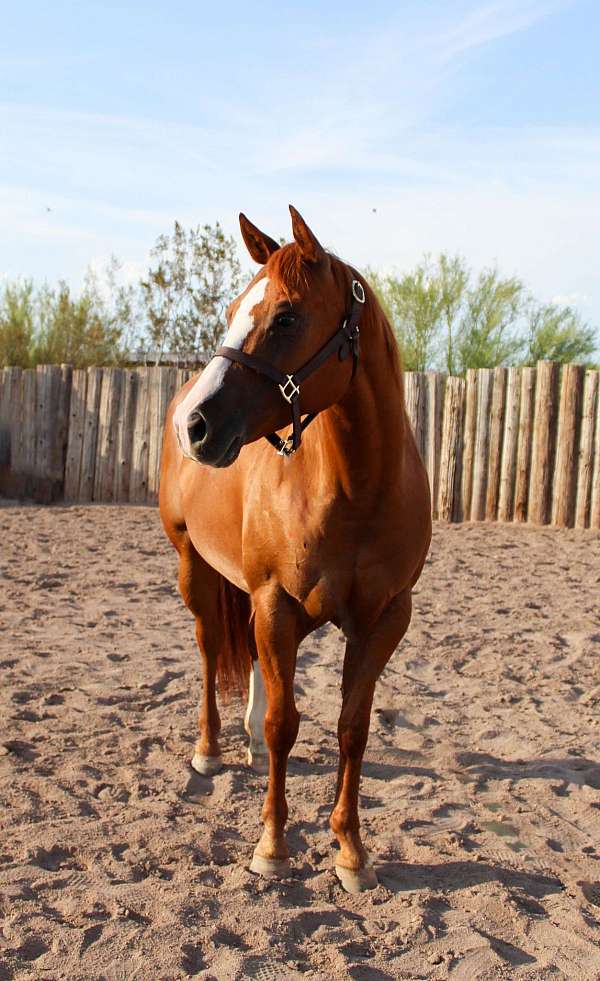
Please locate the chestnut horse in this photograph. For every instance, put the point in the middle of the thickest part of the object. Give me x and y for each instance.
(278, 536)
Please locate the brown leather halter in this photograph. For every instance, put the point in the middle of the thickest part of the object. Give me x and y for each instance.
(345, 341)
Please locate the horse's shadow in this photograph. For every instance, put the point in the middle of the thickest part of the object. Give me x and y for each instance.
(378, 771)
(401, 877)
(571, 769)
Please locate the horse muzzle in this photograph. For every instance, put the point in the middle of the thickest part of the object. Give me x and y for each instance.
(214, 445)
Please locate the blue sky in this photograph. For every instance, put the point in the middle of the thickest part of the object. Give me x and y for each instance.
(470, 127)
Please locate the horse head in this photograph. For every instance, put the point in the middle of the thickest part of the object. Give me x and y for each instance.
(280, 325)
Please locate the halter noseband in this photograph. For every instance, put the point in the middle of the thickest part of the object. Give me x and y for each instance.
(345, 341)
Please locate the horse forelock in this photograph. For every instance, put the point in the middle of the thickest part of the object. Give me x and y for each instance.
(288, 269)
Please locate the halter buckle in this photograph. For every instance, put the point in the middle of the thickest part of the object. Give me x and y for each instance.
(294, 390)
(287, 447)
(358, 291)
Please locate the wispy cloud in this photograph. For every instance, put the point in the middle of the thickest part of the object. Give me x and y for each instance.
(353, 136)
(488, 22)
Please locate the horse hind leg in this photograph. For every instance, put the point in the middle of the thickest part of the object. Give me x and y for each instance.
(205, 593)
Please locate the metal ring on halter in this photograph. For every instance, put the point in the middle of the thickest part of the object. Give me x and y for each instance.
(358, 291)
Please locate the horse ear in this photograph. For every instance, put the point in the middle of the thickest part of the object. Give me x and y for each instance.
(260, 246)
(311, 249)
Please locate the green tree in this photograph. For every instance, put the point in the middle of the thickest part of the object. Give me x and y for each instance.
(557, 334)
(17, 323)
(488, 334)
(413, 305)
(76, 330)
(453, 277)
(194, 276)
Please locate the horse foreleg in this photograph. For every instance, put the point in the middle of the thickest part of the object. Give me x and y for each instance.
(198, 584)
(254, 721)
(277, 638)
(364, 661)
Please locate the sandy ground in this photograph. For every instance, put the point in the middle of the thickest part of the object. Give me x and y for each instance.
(480, 796)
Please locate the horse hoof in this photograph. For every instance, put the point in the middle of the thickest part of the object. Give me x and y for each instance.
(356, 880)
(272, 868)
(259, 762)
(206, 765)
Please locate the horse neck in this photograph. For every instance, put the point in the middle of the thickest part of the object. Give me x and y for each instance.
(361, 435)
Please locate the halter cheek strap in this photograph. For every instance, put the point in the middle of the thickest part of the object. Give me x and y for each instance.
(344, 342)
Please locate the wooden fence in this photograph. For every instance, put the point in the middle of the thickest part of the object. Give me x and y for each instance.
(507, 444)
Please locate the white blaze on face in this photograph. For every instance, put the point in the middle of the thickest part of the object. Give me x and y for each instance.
(213, 375)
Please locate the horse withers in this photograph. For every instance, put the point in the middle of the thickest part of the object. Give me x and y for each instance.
(326, 519)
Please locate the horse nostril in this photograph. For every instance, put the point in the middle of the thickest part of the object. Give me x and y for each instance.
(196, 427)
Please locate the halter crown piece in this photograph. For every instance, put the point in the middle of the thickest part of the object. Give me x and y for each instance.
(345, 341)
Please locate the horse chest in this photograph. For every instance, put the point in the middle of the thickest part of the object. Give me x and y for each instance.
(301, 548)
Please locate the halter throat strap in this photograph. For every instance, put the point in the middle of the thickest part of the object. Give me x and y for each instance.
(344, 342)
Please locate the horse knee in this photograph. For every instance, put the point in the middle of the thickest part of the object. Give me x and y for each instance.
(281, 729)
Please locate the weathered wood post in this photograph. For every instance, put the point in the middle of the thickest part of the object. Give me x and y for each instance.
(11, 430)
(61, 403)
(495, 446)
(595, 495)
(451, 450)
(567, 446)
(508, 466)
(106, 443)
(482, 443)
(524, 443)
(125, 430)
(544, 442)
(163, 386)
(90, 435)
(76, 429)
(138, 485)
(586, 450)
(470, 427)
(415, 401)
(436, 382)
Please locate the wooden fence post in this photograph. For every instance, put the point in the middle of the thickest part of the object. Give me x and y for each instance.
(138, 484)
(508, 466)
(60, 381)
(76, 429)
(482, 443)
(470, 428)
(451, 450)
(106, 443)
(125, 432)
(586, 450)
(495, 446)
(525, 439)
(163, 390)
(436, 382)
(182, 376)
(544, 442)
(5, 428)
(90, 435)
(415, 401)
(43, 424)
(567, 446)
(28, 433)
(595, 496)
(11, 425)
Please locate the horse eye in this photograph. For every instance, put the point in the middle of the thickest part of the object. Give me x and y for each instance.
(285, 320)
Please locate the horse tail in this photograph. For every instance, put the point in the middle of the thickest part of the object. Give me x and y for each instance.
(235, 660)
